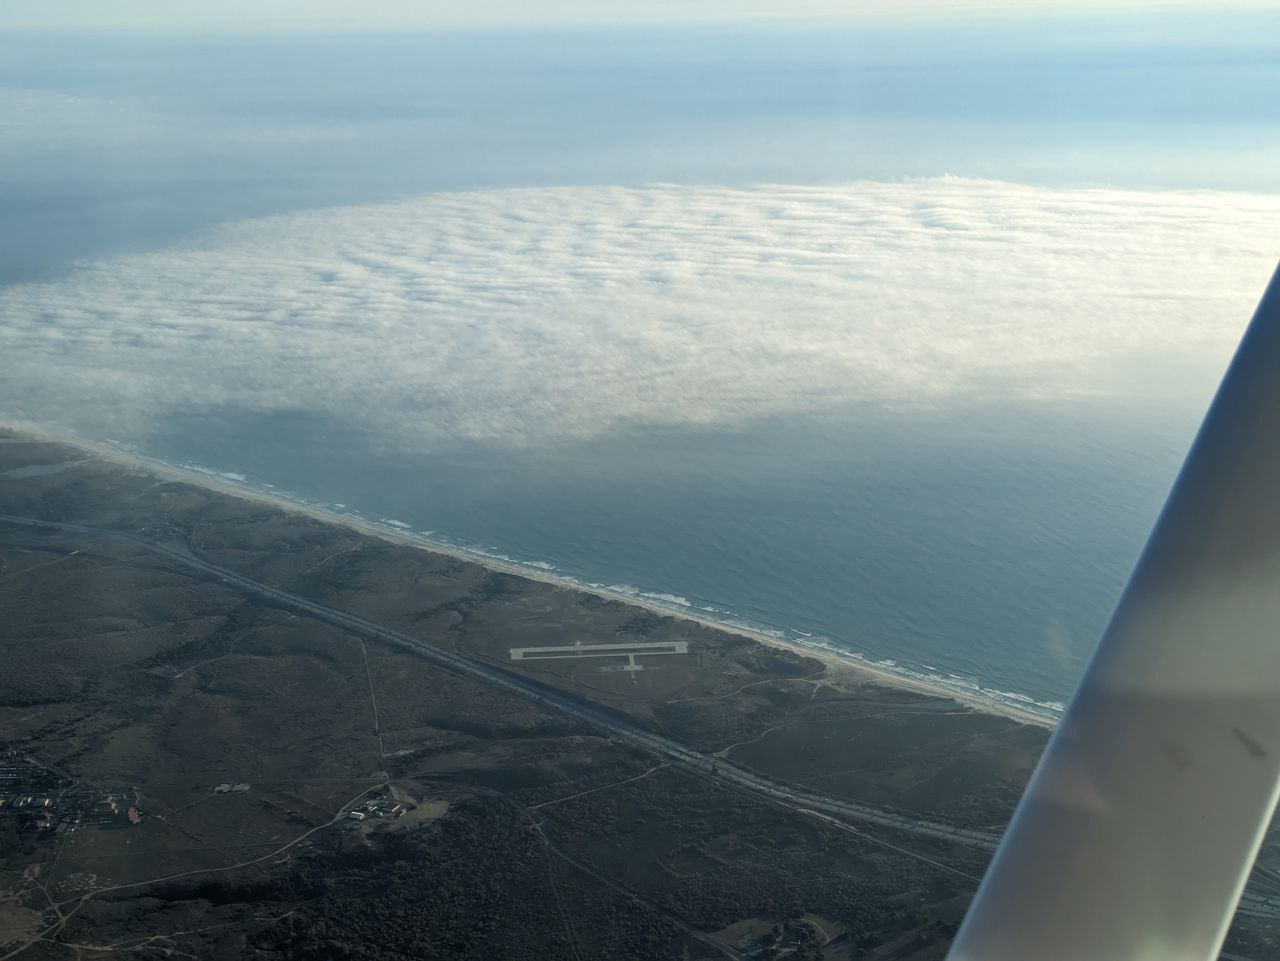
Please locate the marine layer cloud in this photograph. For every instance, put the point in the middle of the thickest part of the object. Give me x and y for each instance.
(524, 315)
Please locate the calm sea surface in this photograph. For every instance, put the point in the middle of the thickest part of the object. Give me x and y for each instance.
(986, 547)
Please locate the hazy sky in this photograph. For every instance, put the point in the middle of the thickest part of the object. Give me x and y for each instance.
(125, 139)
(539, 12)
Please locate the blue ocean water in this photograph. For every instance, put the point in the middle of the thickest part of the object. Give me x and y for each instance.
(985, 547)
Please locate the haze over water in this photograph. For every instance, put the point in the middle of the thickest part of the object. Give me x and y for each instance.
(988, 551)
(534, 291)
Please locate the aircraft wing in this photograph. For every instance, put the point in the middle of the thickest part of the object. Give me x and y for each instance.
(1137, 832)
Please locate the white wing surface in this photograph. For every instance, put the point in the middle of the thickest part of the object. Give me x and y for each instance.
(1137, 832)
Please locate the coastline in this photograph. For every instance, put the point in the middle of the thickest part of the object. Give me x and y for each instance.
(834, 659)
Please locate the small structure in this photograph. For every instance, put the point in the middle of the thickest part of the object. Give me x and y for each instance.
(630, 651)
(356, 815)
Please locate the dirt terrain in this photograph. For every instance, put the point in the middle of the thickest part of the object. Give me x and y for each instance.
(227, 778)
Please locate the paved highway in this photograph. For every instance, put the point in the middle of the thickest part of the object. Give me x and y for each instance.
(615, 726)
(674, 752)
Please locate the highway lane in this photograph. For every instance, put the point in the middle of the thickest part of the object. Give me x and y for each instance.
(615, 726)
(713, 768)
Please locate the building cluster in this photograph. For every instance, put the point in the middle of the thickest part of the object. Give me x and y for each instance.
(31, 795)
(378, 807)
(108, 808)
(42, 802)
(36, 812)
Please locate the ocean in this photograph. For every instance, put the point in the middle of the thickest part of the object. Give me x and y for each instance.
(983, 549)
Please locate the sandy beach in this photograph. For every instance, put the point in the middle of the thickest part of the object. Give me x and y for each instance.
(837, 663)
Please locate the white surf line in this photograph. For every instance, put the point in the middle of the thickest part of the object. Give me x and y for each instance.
(990, 701)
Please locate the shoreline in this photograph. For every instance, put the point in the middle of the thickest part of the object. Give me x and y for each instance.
(832, 658)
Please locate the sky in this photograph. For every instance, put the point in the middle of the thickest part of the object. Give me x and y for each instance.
(545, 13)
(124, 140)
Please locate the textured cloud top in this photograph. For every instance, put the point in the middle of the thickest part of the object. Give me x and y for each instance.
(520, 315)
